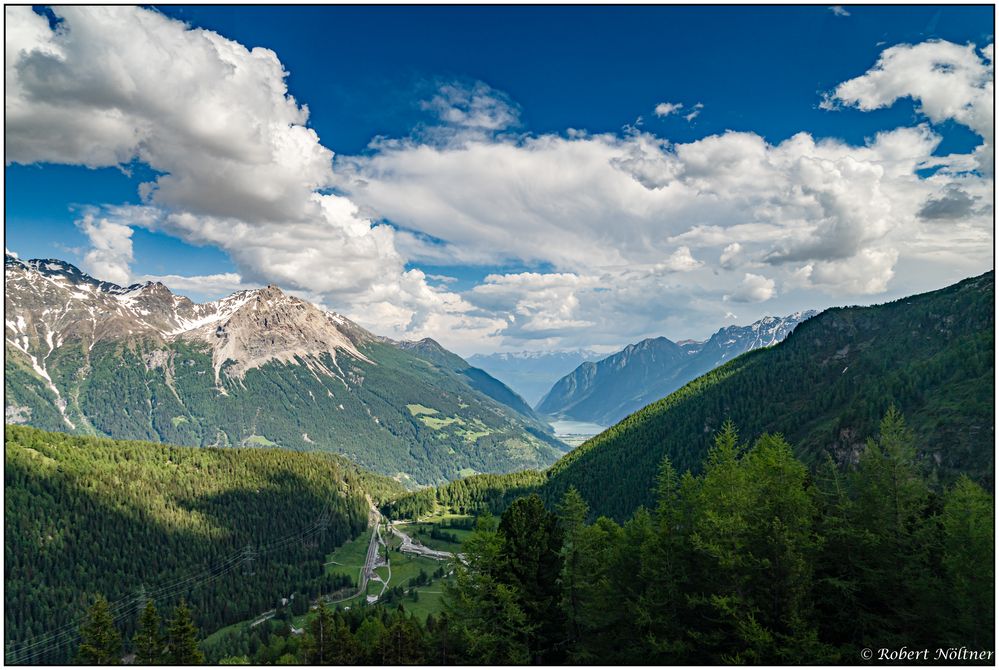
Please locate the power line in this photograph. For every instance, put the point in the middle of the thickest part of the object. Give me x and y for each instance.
(128, 605)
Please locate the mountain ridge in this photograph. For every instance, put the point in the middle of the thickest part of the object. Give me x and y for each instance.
(606, 391)
(825, 388)
(258, 367)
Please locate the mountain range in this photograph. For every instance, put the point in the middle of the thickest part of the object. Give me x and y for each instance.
(256, 368)
(825, 388)
(606, 391)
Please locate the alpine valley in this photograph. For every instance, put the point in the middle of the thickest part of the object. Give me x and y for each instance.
(532, 373)
(251, 478)
(257, 368)
(825, 388)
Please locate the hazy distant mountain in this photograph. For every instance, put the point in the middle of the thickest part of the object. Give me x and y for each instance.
(257, 368)
(608, 390)
(532, 373)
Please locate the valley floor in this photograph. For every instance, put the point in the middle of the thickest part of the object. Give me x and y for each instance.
(391, 563)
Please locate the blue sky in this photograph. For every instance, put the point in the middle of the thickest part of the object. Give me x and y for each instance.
(413, 75)
(361, 70)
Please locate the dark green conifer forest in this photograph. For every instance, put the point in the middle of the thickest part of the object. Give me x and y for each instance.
(752, 561)
(229, 530)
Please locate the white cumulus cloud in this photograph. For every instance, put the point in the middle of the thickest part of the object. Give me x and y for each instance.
(949, 82)
(754, 288)
(238, 166)
(110, 254)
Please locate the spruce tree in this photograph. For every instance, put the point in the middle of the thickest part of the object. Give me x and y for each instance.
(100, 642)
(531, 542)
(148, 640)
(182, 639)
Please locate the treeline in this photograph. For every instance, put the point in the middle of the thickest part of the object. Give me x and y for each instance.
(227, 530)
(120, 395)
(470, 495)
(174, 642)
(752, 561)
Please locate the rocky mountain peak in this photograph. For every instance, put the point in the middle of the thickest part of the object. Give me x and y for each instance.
(269, 325)
(271, 292)
(50, 302)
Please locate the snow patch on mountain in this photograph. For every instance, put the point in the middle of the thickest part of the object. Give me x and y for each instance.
(49, 302)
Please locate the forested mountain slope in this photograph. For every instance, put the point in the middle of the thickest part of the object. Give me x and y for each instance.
(258, 368)
(229, 530)
(824, 388)
(477, 378)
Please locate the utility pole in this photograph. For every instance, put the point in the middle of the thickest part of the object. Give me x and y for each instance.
(249, 556)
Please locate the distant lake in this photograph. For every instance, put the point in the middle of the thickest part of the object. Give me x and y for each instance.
(563, 427)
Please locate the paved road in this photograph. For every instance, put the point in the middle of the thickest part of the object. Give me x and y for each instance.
(410, 547)
(372, 560)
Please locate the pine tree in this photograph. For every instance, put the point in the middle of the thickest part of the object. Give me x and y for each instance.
(182, 639)
(148, 640)
(100, 642)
